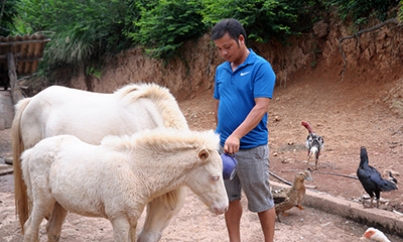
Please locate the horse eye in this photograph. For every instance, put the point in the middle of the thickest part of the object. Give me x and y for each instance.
(215, 178)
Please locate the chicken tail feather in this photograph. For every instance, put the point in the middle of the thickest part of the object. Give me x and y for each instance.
(387, 185)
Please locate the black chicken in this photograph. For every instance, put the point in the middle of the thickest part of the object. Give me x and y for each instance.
(371, 179)
(314, 143)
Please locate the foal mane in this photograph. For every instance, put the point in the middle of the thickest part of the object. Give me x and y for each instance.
(163, 139)
(163, 99)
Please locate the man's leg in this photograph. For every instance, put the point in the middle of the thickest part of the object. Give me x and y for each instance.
(233, 221)
(267, 220)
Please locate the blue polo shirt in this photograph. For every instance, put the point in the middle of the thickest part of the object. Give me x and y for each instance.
(237, 91)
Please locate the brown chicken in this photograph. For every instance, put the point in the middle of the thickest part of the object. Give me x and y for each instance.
(289, 197)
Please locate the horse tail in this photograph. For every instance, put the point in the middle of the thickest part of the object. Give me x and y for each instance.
(25, 168)
(20, 189)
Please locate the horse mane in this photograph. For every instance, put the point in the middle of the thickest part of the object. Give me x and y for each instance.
(163, 99)
(166, 140)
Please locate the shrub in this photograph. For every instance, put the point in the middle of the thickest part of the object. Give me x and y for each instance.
(80, 30)
(263, 19)
(360, 10)
(165, 25)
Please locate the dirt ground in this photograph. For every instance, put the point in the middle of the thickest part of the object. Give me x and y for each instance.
(347, 114)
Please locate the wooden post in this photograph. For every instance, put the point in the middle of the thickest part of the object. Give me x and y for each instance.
(16, 94)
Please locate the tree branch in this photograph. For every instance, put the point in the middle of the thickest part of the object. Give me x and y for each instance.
(281, 179)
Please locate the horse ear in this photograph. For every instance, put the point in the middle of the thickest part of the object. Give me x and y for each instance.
(203, 154)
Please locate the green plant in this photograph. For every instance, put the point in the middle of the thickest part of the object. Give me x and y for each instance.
(164, 26)
(80, 30)
(263, 19)
(93, 71)
(360, 10)
(8, 13)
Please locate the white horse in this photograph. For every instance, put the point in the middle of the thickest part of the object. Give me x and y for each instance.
(92, 116)
(115, 180)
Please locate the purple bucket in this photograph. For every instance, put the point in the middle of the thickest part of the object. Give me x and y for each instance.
(229, 166)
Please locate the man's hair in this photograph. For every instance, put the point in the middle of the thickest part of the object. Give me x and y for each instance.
(229, 25)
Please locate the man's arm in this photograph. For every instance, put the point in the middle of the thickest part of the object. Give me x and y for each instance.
(216, 111)
(232, 143)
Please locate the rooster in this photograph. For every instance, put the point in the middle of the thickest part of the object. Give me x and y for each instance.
(371, 179)
(314, 143)
(388, 174)
(375, 234)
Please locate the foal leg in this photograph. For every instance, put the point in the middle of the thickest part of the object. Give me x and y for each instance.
(159, 212)
(31, 226)
(122, 231)
(28, 236)
(54, 225)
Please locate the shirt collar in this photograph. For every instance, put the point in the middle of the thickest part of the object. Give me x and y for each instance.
(249, 60)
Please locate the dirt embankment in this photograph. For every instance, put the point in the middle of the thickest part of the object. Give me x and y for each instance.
(377, 55)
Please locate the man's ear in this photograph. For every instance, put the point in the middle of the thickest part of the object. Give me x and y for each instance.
(241, 39)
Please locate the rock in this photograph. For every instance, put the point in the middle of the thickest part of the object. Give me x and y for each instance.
(321, 28)
(8, 160)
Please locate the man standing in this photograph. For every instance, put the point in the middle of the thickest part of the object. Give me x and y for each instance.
(244, 85)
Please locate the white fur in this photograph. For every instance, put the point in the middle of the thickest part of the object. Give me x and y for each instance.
(313, 151)
(91, 116)
(116, 179)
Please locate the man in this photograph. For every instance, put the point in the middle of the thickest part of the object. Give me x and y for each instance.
(244, 85)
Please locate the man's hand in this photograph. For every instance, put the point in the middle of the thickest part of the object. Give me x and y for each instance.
(231, 145)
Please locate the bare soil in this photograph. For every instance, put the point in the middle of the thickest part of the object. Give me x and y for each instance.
(348, 114)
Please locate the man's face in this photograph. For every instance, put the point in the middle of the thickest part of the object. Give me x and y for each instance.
(229, 48)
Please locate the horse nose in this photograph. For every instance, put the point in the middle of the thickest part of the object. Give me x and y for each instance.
(220, 210)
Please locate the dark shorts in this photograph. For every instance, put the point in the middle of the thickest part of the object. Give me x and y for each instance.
(253, 178)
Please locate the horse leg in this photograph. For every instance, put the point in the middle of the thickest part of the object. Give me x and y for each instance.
(28, 236)
(132, 233)
(122, 230)
(31, 226)
(54, 225)
(159, 212)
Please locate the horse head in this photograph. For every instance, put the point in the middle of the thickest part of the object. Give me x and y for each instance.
(207, 181)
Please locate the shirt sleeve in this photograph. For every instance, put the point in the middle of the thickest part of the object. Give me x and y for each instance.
(264, 82)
